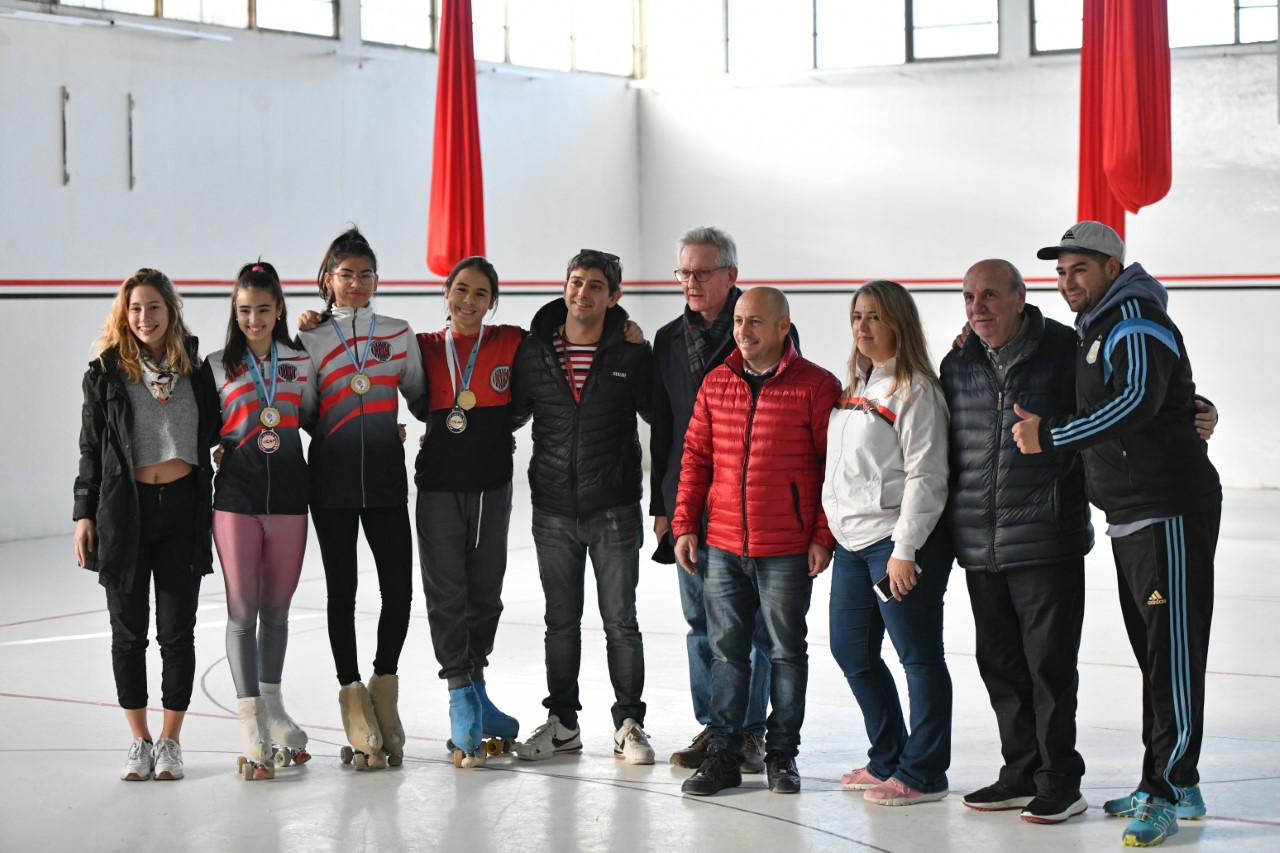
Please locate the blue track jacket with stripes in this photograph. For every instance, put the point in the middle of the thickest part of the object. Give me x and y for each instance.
(1135, 403)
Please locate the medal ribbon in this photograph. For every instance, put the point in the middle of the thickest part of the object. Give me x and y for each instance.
(266, 397)
(451, 356)
(368, 342)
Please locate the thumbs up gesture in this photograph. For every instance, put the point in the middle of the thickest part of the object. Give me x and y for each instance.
(1026, 432)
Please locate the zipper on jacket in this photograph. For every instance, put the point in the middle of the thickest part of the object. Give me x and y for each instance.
(364, 498)
(995, 472)
(746, 459)
(795, 502)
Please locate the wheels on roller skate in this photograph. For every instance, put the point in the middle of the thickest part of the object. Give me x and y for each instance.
(498, 745)
(347, 754)
(250, 771)
(282, 757)
(468, 760)
(394, 759)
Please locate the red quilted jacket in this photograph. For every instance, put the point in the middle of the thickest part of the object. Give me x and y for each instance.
(757, 469)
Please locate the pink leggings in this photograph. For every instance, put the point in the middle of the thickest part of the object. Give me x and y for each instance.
(261, 561)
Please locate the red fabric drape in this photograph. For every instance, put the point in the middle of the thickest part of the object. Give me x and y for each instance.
(1126, 152)
(1095, 200)
(456, 226)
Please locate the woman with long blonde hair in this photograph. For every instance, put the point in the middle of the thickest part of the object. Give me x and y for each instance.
(885, 489)
(143, 502)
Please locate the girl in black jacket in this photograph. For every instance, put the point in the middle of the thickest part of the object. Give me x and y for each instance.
(143, 502)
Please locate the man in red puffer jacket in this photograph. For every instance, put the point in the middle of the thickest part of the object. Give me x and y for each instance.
(753, 458)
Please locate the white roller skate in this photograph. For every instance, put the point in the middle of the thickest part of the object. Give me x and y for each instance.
(289, 742)
(254, 740)
(361, 726)
(465, 716)
(384, 690)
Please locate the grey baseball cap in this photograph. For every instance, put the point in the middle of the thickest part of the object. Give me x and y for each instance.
(1090, 235)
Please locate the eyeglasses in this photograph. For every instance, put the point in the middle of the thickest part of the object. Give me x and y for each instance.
(347, 276)
(700, 276)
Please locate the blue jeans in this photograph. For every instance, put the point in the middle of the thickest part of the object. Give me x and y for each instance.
(737, 589)
(699, 647)
(858, 622)
(612, 538)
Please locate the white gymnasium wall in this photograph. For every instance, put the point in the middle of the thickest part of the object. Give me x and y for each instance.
(270, 144)
(265, 146)
(916, 172)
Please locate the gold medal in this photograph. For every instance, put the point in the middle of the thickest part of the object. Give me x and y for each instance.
(456, 421)
(268, 441)
(466, 399)
(360, 384)
(269, 417)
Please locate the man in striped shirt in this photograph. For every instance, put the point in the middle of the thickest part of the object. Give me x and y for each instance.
(583, 384)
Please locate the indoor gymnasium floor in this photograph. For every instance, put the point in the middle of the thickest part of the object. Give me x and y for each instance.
(66, 739)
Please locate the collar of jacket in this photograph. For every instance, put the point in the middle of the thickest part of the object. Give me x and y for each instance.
(347, 312)
(552, 316)
(737, 363)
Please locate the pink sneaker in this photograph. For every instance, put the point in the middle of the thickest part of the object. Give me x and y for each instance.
(894, 792)
(859, 780)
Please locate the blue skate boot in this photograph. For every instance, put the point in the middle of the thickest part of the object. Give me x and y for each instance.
(465, 716)
(500, 730)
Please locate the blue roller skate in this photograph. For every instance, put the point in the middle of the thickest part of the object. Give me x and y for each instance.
(500, 730)
(465, 723)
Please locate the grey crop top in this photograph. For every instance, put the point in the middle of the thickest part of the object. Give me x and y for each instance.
(163, 431)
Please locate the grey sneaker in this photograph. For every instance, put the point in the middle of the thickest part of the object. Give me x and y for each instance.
(140, 763)
(753, 752)
(168, 765)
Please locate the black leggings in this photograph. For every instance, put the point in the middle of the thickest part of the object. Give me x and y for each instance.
(386, 529)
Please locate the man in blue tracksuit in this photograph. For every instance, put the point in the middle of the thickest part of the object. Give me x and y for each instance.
(1147, 469)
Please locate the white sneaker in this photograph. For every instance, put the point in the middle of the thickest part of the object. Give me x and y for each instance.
(168, 760)
(550, 739)
(631, 744)
(140, 763)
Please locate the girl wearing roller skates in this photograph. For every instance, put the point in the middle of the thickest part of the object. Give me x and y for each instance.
(267, 391)
(143, 503)
(464, 502)
(362, 359)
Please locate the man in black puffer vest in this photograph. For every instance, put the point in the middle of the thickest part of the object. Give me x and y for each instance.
(583, 385)
(1020, 526)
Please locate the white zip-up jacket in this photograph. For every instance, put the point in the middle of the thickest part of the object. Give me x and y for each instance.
(886, 463)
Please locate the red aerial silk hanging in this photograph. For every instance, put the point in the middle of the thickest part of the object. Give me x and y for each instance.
(456, 225)
(1126, 152)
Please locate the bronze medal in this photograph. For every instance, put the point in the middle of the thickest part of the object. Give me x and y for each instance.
(456, 421)
(269, 417)
(360, 383)
(466, 399)
(268, 441)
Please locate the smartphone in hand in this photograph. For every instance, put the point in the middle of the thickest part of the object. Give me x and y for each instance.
(882, 587)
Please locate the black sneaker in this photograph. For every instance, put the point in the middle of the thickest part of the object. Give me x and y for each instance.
(753, 752)
(1054, 809)
(999, 797)
(720, 770)
(781, 767)
(692, 755)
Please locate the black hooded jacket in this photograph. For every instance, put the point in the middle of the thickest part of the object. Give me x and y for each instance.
(105, 490)
(586, 456)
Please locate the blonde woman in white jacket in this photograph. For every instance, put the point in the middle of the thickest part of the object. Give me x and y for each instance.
(885, 489)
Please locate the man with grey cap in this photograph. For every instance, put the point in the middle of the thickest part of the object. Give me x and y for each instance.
(1149, 472)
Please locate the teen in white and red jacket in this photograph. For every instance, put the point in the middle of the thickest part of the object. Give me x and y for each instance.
(363, 361)
(885, 490)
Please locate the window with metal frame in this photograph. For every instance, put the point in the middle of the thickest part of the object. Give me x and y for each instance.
(312, 17)
(409, 23)
(1057, 23)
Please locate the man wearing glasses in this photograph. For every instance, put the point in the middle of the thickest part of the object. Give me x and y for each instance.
(684, 352)
(583, 384)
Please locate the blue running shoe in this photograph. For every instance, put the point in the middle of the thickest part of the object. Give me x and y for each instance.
(1154, 820)
(495, 723)
(1190, 807)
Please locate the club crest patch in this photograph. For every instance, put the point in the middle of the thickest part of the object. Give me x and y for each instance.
(381, 350)
(286, 372)
(500, 378)
(1092, 355)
